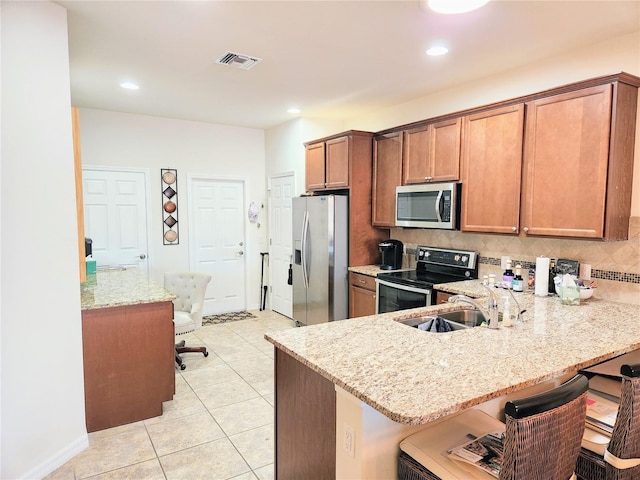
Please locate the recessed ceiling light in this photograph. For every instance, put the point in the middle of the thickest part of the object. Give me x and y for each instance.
(435, 51)
(455, 6)
(130, 86)
(293, 110)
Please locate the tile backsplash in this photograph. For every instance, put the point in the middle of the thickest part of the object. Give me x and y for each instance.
(614, 265)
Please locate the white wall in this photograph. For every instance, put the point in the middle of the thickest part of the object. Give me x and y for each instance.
(42, 419)
(617, 54)
(128, 140)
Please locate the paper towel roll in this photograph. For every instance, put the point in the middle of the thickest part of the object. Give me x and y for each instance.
(542, 276)
(585, 271)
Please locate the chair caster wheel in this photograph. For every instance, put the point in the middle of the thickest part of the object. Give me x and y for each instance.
(206, 354)
(183, 366)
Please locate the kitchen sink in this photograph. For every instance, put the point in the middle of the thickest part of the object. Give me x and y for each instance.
(417, 321)
(457, 319)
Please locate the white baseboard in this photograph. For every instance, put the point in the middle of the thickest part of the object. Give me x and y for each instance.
(59, 459)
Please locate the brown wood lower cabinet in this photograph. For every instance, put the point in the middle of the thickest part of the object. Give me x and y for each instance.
(128, 363)
(305, 422)
(442, 297)
(362, 295)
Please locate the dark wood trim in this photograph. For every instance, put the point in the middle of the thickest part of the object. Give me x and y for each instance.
(621, 158)
(348, 133)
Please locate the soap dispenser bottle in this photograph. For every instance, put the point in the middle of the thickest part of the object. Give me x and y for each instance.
(518, 281)
(507, 276)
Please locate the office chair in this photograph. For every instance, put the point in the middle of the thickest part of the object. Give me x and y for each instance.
(625, 438)
(542, 439)
(189, 289)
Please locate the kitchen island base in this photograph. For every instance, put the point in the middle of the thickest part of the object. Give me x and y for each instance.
(128, 363)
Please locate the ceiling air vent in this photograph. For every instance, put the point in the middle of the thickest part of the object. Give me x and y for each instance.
(244, 62)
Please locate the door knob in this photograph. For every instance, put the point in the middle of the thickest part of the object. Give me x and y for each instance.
(241, 243)
(142, 256)
(240, 252)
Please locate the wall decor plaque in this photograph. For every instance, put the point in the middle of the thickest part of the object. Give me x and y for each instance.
(169, 189)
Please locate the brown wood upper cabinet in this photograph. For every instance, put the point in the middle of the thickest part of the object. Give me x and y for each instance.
(574, 177)
(387, 175)
(343, 163)
(327, 164)
(432, 152)
(577, 174)
(491, 169)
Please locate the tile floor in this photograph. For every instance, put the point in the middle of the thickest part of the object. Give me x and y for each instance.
(219, 424)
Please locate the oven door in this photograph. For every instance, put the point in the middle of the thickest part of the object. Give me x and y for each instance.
(393, 297)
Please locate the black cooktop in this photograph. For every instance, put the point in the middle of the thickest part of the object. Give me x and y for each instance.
(425, 279)
(436, 265)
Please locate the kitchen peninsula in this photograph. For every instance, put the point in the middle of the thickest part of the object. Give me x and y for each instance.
(128, 348)
(373, 381)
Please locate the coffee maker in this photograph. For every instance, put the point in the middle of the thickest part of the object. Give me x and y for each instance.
(390, 254)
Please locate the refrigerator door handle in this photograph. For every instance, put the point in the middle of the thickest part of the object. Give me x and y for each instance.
(305, 228)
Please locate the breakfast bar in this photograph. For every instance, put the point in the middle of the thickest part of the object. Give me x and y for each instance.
(128, 348)
(390, 379)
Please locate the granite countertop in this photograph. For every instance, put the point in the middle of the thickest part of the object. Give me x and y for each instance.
(374, 270)
(414, 377)
(114, 288)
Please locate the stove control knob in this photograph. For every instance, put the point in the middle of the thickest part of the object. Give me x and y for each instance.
(457, 258)
(464, 259)
(427, 254)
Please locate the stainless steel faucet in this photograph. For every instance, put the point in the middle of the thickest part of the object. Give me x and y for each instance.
(490, 315)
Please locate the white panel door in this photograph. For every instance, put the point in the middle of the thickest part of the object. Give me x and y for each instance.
(280, 250)
(115, 217)
(218, 243)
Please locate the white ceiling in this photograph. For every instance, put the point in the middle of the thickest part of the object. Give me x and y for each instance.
(332, 59)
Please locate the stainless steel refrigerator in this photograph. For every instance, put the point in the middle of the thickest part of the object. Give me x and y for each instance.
(320, 259)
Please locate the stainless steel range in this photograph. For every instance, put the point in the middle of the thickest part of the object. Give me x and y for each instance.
(413, 288)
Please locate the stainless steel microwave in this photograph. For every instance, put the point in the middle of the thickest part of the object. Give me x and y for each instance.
(430, 205)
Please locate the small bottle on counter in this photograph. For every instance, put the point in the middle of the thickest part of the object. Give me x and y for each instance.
(532, 278)
(507, 276)
(485, 280)
(492, 279)
(552, 275)
(518, 281)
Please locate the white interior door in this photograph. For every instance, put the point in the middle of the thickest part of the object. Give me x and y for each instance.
(115, 216)
(280, 249)
(216, 226)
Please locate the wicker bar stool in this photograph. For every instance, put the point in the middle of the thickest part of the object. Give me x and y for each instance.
(625, 438)
(542, 439)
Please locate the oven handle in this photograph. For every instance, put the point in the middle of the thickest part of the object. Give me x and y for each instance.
(406, 288)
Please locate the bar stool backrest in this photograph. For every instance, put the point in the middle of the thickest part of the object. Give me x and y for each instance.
(544, 433)
(625, 439)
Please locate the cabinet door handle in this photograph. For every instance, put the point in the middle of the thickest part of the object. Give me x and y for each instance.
(526, 229)
(513, 229)
(362, 281)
